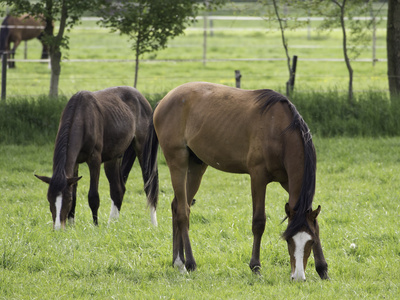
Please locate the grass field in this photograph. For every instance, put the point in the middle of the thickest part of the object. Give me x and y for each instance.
(357, 178)
(231, 39)
(131, 259)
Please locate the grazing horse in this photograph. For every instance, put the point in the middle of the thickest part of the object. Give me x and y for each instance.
(17, 29)
(258, 132)
(108, 126)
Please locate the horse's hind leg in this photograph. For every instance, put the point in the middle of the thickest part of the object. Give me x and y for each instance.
(117, 186)
(195, 173)
(14, 49)
(178, 163)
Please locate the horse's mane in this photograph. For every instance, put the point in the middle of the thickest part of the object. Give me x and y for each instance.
(58, 181)
(4, 34)
(267, 98)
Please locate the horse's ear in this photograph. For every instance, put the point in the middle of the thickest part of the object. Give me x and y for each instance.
(44, 178)
(289, 211)
(73, 180)
(314, 214)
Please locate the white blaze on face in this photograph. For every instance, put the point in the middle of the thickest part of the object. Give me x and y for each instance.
(300, 240)
(114, 213)
(57, 222)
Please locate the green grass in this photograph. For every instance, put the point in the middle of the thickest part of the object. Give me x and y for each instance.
(132, 259)
(231, 40)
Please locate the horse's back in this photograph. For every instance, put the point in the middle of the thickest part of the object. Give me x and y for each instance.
(225, 127)
(33, 25)
(106, 120)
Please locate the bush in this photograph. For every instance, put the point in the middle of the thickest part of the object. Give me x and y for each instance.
(30, 120)
(331, 114)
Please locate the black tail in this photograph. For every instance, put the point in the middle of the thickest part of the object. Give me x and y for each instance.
(4, 32)
(150, 167)
(304, 203)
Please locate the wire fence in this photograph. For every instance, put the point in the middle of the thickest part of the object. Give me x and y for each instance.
(205, 59)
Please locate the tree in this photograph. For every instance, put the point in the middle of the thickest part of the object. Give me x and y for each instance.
(393, 48)
(342, 9)
(66, 13)
(150, 23)
(342, 13)
(285, 46)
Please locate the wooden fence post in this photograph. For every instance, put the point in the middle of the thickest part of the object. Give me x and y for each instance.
(290, 83)
(237, 78)
(3, 75)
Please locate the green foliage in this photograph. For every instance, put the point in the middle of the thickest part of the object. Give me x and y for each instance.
(150, 23)
(35, 120)
(331, 114)
(29, 120)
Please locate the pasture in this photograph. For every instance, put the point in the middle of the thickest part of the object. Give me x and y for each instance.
(98, 59)
(357, 178)
(356, 187)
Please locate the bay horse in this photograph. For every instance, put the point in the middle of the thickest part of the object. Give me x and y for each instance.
(108, 126)
(258, 132)
(23, 28)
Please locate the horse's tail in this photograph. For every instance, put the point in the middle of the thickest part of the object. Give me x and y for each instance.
(150, 168)
(304, 203)
(4, 32)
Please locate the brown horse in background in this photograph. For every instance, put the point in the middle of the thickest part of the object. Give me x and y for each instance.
(108, 126)
(17, 29)
(258, 132)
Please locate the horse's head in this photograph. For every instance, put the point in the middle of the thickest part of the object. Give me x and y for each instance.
(301, 243)
(59, 196)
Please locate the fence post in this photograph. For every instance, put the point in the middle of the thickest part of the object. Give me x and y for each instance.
(205, 39)
(237, 78)
(26, 50)
(290, 83)
(3, 75)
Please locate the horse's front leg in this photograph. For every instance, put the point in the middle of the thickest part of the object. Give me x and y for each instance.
(320, 263)
(258, 225)
(71, 214)
(93, 197)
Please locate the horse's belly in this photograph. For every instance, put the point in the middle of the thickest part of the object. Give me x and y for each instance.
(221, 157)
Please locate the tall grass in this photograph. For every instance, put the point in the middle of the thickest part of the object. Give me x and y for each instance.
(331, 114)
(35, 120)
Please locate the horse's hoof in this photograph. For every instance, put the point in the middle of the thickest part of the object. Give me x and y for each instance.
(256, 269)
(191, 266)
(323, 272)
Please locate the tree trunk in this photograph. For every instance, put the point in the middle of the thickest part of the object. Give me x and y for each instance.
(393, 48)
(55, 61)
(346, 56)
(136, 63)
(285, 46)
(55, 50)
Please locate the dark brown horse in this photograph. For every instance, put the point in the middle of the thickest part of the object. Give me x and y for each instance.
(109, 126)
(258, 132)
(17, 29)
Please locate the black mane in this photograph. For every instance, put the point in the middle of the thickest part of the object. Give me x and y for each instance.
(59, 178)
(267, 98)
